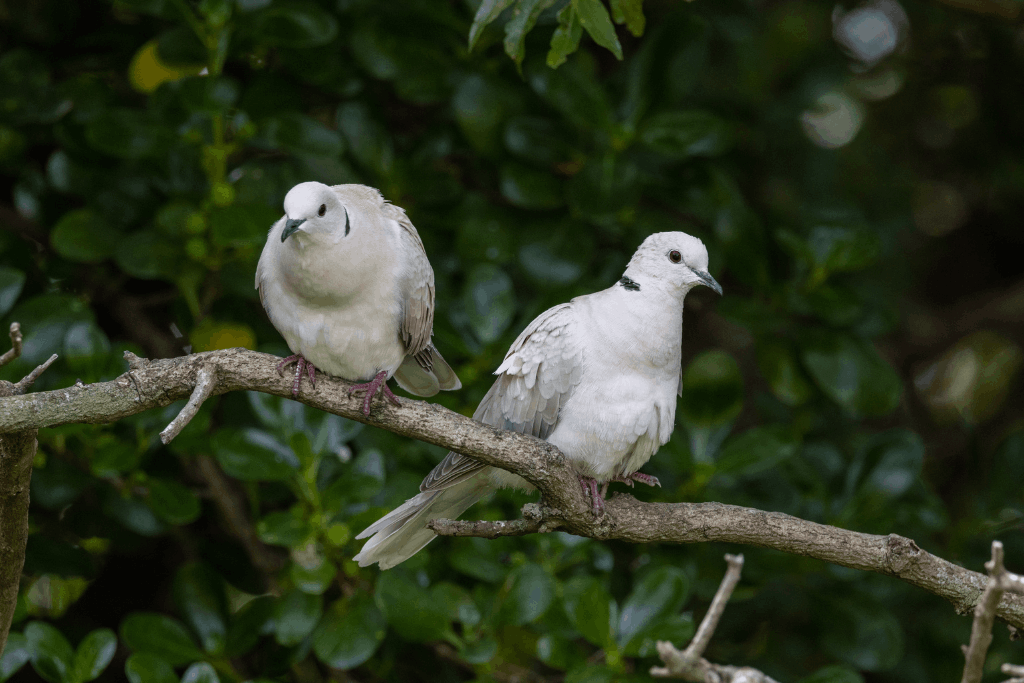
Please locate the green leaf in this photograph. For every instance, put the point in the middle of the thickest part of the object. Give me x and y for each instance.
(594, 18)
(252, 455)
(11, 283)
(200, 672)
(676, 628)
(837, 249)
(523, 19)
(239, 225)
(296, 616)
(590, 609)
(779, 365)
(661, 593)
(893, 462)
(15, 655)
(410, 610)
(93, 655)
(530, 593)
(296, 24)
(851, 373)
(485, 14)
(490, 302)
(81, 235)
(480, 652)
(368, 139)
(172, 501)
(148, 255)
(50, 652)
(350, 633)
(834, 674)
(287, 528)
(85, 345)
(301, 135)
(254, 619)
(756, 450)
(161, 636)
(146, 667)
(200, 597)
(682, 134)
(566, 38)
(867, 638)
(313, 577)
(630, 13)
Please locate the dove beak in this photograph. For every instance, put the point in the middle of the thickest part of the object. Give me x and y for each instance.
(706, 279)
(291, 225)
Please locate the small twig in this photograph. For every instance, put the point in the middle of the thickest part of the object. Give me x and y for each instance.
(15, 349)
(29, 379)
(536, 520)
(690, 664)
(984, 616)
(1015, 670)
(205, 383)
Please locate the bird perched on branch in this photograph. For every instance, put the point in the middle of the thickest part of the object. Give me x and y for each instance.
(597, 377)
(346, 281)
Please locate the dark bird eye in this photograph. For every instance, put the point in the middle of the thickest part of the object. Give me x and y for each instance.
(673, 256)
(322, 211)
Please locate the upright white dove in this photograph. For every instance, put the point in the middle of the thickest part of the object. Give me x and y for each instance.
(346, 281)
(597, 377)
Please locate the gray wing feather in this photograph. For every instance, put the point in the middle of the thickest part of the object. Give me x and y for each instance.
(539, 373)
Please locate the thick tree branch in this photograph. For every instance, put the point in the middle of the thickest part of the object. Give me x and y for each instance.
(153, 384)
(689, 664)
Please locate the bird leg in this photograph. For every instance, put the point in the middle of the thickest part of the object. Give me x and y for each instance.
(589, 486)
(378, 383)
(640, 477)
(300, 365)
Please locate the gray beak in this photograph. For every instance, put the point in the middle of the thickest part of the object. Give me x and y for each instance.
(706, 279)
(292, 224)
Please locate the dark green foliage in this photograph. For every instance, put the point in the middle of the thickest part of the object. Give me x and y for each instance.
(840, 379)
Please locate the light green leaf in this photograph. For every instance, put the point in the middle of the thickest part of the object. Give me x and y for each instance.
(661, 593)
(523, 19)
(488, 11)
(531, 591)
(11, 283)
(146, 667)
(287, 528)
(834, 674)
(590, 609)
(594, 18)
(200, 597)
(172, 501)
(200, 672)
(851, 373)
(756, 450)
(489, 299)
(15, 655)
(683, 134)
(93, 655)
(412, 611)
(50, 652)
(630, 13)
(566, 38)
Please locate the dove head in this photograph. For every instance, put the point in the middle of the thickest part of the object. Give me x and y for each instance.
(673, 259)
(315, 209)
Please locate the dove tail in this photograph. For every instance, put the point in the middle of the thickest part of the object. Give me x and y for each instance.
(401, 533)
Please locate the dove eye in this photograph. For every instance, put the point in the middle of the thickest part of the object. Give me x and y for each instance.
(674, 256)
(322, 211)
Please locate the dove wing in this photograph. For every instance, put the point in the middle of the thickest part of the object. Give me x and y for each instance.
(538, 375)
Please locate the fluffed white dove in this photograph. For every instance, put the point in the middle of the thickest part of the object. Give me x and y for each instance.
(597, 377)
(346, 281)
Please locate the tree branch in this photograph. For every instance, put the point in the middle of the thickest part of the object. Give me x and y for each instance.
(999, 582)
(153, 384)
(690, 664)
(17, 450)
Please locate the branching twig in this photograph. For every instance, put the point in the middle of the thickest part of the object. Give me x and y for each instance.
(1015, 670)
(205, 382)
(536, 520)
(159, 383)
(15, 349)
(28, 380)
(690, 664)
(999, 582)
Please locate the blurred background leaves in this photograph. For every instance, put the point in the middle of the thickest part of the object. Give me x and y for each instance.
(856, 173)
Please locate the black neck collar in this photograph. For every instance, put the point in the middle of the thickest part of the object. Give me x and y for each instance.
(630, 284)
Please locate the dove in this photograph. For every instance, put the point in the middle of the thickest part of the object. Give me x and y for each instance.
(597, 377)
(345, 279)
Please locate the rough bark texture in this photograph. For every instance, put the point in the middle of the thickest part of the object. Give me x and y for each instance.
(16, 453)
(153, 384)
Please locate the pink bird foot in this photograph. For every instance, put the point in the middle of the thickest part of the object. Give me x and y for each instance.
(378, 383)
(300, 365)
(596, 497)
(640, 477)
